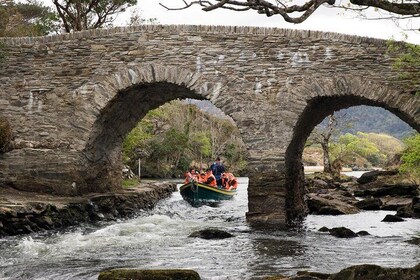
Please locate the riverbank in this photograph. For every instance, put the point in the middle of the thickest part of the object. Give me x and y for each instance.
(27, 212)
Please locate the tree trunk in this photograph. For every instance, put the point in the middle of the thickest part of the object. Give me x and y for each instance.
(327, 163)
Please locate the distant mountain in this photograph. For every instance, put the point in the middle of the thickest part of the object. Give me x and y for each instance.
(374, 119)
(362, 118)
(208, 107)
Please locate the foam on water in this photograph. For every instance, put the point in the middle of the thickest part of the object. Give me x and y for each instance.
(159, 239)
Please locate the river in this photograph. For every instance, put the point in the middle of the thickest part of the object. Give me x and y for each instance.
(159, 239)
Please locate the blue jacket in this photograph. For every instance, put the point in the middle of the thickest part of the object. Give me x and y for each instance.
(217, 169)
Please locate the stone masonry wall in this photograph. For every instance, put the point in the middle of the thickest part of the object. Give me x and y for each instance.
(72, 98)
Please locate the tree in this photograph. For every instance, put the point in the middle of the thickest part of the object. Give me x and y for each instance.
(136, 18)
(77, 15)
(200, 145)
(18, 19)
(178, 135)
(407, 63)
(411, 157)
(360, 144)
(296, 12)
(322, 136)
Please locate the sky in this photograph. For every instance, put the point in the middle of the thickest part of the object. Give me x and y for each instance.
(324, 19)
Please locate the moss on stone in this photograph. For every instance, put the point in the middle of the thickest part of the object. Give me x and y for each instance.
(156, 274)
(5, 134)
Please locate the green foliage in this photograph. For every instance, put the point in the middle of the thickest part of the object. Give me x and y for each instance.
(387, 144)
(411, 156)
(358, 144)
(200, 143)
(366, 118)
(129, 183)
(77, 15)
(137, 139)
(19, 19)
(407, 62)
(176, 136)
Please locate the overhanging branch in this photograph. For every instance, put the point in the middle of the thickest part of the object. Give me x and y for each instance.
(287, 8)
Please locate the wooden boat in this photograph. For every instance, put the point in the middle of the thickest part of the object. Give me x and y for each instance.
(198, 193)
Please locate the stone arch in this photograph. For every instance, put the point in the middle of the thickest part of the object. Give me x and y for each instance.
(119, 101)
(323, 97)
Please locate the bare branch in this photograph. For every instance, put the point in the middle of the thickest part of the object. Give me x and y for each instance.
(392, 7)
(283, 8)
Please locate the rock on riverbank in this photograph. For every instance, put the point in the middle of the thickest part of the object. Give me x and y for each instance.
(358, 272)
(24, 213)
(380, 190)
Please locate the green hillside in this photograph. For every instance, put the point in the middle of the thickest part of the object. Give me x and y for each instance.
(374, 119)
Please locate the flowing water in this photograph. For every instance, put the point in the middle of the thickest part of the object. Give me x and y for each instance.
(159, 239)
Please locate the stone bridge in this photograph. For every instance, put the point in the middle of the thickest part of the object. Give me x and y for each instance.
(71, 99)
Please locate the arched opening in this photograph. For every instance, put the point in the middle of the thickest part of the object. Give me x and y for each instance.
(180, 135)
(117, 116)
(317, 110)
(116, 120)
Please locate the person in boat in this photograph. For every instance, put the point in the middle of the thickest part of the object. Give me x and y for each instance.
(211, 179)
(202, 178)
(229, 181)
(191, 176)
(218, 169)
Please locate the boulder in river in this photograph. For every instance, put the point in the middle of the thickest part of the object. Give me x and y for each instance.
(359, 272)
(328, 205)
(373, 175)
(415, 241)
(144, 274)
(394, 203)
(375, 272)
(370, 203)
(342, 232)
(324, 229)
(211, 233)
(379, 189)
(392, 219)
(410, 211)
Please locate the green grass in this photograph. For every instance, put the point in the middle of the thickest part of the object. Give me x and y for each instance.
(129, 183)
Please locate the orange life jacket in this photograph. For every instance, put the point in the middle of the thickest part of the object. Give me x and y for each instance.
(230, 181)
(190, 177)
(211, 180)
(202, 179)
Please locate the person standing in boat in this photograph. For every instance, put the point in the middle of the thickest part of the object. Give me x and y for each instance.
(218, 169)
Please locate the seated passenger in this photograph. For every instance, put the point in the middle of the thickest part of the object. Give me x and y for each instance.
(225, 179)
(202, 178)
(229, 181)
(190, 176)
(211, 180)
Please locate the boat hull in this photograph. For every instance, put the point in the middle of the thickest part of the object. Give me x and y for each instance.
(197, 193)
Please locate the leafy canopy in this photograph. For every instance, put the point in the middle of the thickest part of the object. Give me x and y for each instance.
(411, 156)
(177, 136)
(407, 63)
(77, 15)
(31, 18)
